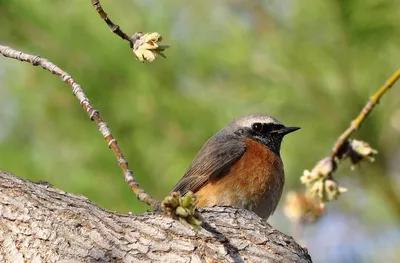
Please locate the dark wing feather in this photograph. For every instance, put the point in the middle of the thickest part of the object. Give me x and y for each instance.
(213, 160)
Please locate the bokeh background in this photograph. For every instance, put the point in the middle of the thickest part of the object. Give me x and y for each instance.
(309, 63)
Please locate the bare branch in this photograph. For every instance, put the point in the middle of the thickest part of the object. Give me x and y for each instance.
(114, 28)
(78, 91)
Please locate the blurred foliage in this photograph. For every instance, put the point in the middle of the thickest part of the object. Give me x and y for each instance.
(309, 63)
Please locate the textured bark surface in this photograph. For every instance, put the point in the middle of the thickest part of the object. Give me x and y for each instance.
(42, 224)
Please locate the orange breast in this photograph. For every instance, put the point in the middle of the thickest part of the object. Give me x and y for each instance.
(254, 182)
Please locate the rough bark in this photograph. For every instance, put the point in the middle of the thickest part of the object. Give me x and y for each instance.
(42, 224)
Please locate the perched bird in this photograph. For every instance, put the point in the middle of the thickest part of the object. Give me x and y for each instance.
(240, 166)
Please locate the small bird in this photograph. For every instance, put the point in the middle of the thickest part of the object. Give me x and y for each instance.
(240, 166)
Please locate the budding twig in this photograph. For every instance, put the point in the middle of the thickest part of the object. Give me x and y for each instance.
(356, 123)
(320, 180)
(144, 45)
(114, 28)
(78, 91)
(307, 207)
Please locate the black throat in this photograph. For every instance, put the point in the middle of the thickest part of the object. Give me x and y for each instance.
(274, 144)
(271, 141)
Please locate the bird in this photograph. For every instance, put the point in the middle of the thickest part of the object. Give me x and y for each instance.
(240, 166)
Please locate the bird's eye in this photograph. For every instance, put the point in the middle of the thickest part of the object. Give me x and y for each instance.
(257, 127)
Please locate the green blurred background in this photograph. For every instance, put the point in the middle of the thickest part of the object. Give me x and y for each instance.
(309, 63)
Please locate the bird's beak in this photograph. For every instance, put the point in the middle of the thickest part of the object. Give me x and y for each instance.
(286, 130)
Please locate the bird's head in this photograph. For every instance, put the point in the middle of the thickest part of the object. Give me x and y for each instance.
(259, 127)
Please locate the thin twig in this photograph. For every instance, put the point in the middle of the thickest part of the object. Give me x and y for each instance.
(321, 185)
(319, 180)
(114, 28)
(145, 46)
(356, 123)
(78, 91)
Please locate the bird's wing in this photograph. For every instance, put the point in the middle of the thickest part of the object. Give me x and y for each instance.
(212, 162)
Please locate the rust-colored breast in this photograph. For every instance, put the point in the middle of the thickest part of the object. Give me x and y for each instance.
(254, 182)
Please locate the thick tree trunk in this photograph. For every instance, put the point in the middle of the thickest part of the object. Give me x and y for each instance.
(42, 224)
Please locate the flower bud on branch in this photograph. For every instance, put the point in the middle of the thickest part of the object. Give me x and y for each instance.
(145, 46)
(182, 208)
(319, 180)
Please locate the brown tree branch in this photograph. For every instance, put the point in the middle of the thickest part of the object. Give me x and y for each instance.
(42, 224)
(144, 46)
(114, 28)
(78, 91)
